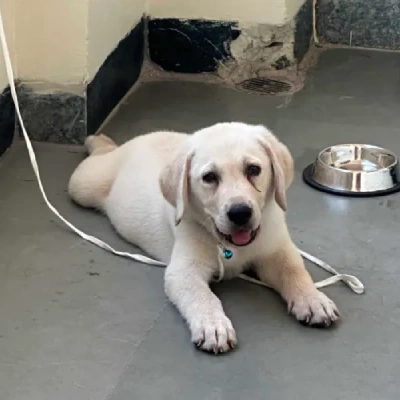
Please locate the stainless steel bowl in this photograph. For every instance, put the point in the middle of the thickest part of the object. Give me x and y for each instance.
(354, 170)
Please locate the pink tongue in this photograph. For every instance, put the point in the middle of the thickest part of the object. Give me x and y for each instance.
(241, 237)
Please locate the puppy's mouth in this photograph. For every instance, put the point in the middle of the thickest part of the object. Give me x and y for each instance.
(240, 237)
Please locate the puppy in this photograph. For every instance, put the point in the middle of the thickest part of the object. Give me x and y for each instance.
(181, 197)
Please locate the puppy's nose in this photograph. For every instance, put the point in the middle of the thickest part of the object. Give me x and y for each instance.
(240, 214)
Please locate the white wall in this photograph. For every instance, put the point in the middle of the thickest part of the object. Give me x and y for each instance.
(274, 12)
(8, 12)
(109, 22)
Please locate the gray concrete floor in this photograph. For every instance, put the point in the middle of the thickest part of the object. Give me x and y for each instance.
(78, 323)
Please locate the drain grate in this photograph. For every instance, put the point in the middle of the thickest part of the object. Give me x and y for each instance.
(265, 86)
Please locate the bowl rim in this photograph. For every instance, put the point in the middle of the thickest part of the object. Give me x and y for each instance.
(309, 180)
(388, 168)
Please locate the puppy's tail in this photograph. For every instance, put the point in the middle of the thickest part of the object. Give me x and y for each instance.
(99, 144)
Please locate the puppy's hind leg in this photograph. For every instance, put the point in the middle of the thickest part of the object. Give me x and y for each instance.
(92, 180)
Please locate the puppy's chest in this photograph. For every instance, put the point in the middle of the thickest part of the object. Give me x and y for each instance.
(234, 265)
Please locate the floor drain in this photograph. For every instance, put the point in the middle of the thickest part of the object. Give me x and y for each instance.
(265, 86)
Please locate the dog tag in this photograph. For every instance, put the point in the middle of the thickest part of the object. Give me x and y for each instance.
(227, 253)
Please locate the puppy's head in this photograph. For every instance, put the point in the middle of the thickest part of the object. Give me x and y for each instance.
(226, 174)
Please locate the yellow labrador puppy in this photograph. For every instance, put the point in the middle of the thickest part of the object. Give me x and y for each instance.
(180, 197)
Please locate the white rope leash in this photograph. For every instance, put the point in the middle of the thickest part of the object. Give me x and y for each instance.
(349, 280)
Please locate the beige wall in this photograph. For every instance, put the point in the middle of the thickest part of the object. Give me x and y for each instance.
(51, 40)
(109, 22)
(66, 41)
(292, 6)
(274, 12)
(8, 12)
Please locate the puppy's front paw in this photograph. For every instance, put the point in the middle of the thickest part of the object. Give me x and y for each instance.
(314, 308)
(214, 334)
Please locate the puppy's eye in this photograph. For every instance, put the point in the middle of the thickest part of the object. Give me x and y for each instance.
(210, 177)
(253, 170)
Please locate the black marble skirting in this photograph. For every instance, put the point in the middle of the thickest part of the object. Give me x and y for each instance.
(360, 23)
(115, 78)
(53, 117)
(7, 120)
(190, 46)
(303, 30)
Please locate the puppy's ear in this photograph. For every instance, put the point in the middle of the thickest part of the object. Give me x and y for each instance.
(174, 183)
(282, 167)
